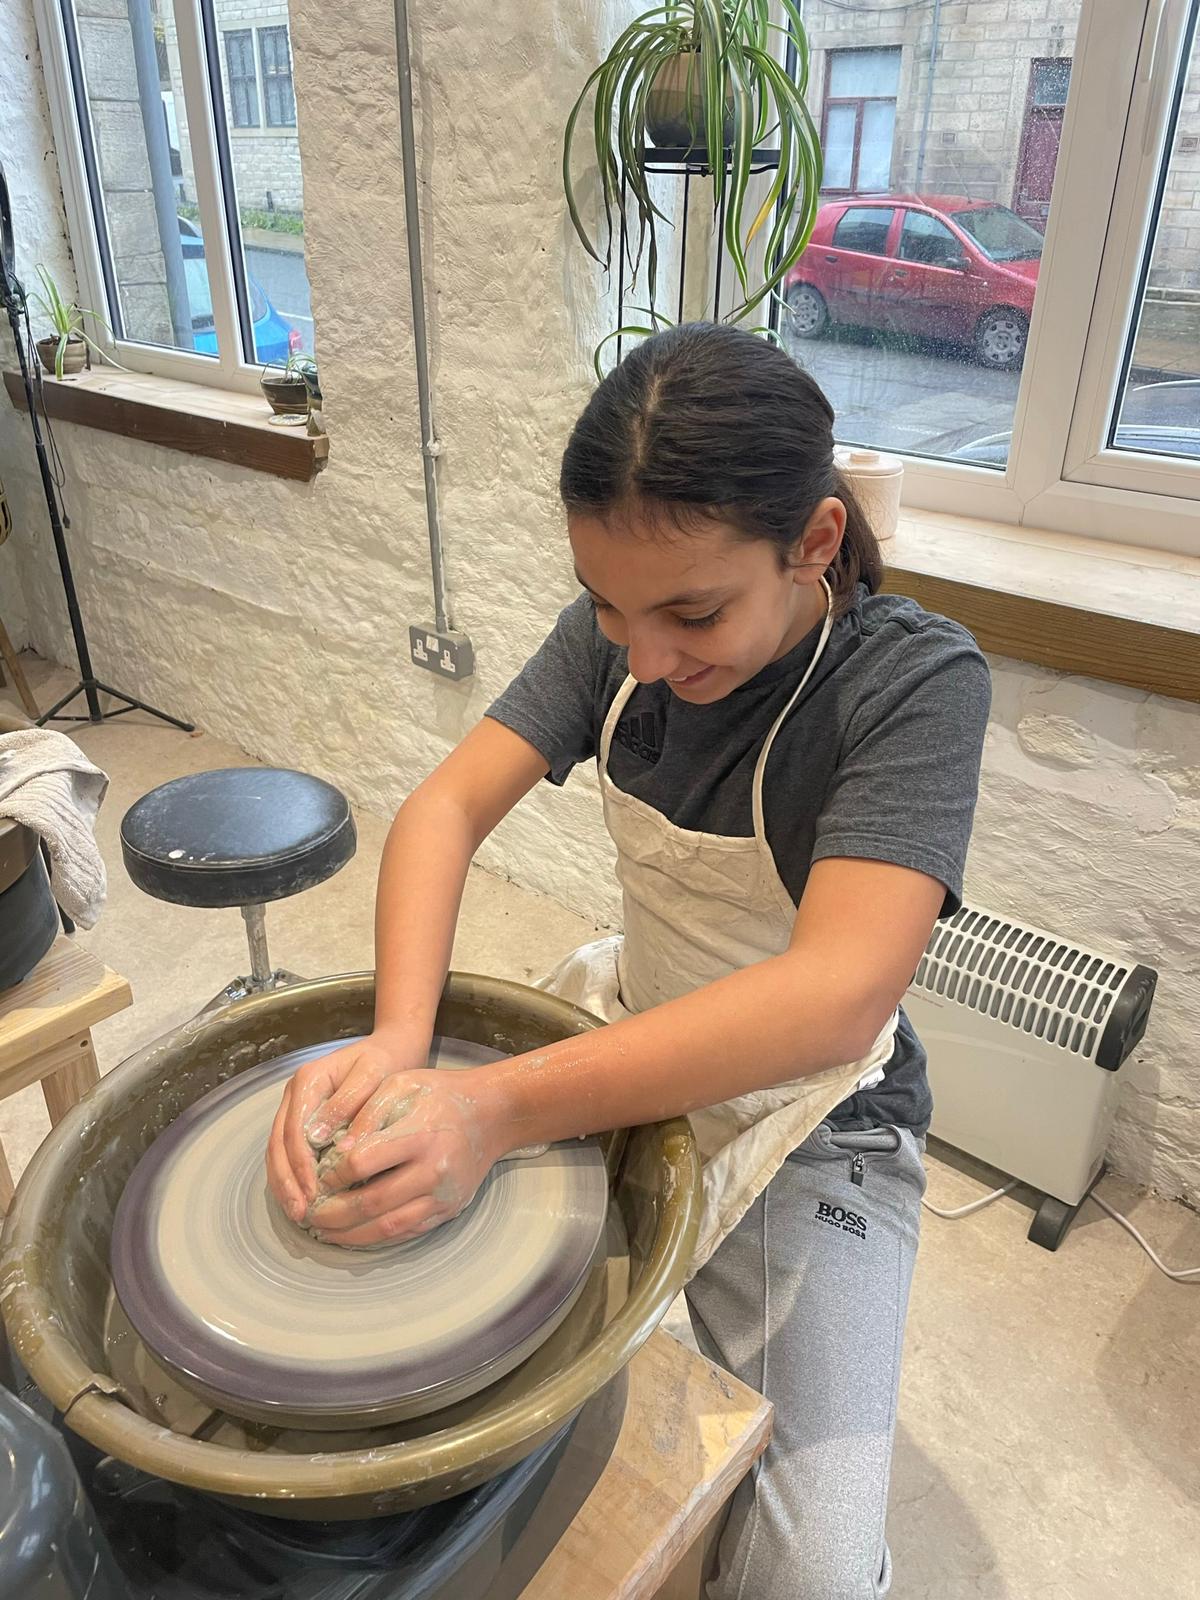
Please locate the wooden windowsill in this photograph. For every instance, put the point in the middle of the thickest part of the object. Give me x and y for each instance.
(1085, 606)
(218, 423)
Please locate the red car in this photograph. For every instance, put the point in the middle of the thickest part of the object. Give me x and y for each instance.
(931, 265)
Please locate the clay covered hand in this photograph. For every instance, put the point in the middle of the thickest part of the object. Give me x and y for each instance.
(417, 1150)
(319, 1103)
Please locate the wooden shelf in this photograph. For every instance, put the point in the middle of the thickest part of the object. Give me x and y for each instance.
(200, 421)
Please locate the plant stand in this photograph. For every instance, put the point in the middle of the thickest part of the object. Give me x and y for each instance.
(687, 164)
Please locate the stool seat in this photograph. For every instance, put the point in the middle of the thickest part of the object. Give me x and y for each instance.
(236, 837)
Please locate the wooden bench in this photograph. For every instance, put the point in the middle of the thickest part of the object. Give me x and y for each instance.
(45, 1032)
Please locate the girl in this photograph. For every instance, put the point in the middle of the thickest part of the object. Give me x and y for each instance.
(788, 764)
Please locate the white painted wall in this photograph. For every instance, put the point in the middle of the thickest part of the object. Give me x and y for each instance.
(276, 614)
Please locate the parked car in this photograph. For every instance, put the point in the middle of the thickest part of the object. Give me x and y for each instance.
(1158, 419)
(935, 266)
(274, 339)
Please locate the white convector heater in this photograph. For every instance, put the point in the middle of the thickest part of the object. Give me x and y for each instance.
(1025, 1031)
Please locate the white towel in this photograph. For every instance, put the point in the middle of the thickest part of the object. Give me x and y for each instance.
(47, 783)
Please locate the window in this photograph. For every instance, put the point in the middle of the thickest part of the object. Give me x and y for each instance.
(1000, 233)
(1157, 410)
(923, 238)
(181, 173)
(864, 229)
(243, 79)
(1051, 376)
(860, 119)
(277, 77)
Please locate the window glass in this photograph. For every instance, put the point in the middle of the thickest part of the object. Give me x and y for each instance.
(265, 163)
(1000, 233)
(138, 165)
(859, 119)
(923, 238)
(1158, 407)
(199, 294)
(875, 146)
(962, 105)
(865, 229)
(243, 79)
(277, 77)
(1050, 82)
(864, 72)
(840, 125)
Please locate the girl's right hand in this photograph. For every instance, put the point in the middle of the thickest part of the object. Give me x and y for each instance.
(322, 1098)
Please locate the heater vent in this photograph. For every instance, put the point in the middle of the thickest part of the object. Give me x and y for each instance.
(1037, 983)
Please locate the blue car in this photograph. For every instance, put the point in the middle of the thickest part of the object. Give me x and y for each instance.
(274, 339)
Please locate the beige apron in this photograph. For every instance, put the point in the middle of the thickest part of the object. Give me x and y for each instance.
(698, 906)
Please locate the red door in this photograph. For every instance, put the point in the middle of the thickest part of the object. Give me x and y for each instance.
(1040, 138)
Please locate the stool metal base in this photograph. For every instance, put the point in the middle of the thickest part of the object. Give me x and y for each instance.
(263, 977)
(242, 988)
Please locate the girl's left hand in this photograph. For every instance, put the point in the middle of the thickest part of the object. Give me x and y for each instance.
(425, 1141)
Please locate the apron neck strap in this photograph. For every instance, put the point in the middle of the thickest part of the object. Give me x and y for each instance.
(764, 753)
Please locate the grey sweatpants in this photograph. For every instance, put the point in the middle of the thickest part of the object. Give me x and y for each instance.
(806, 1301)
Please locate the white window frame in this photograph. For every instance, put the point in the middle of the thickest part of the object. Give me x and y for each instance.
(1061, 476)
(227, 369)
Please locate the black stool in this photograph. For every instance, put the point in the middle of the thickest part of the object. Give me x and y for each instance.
(239, 837)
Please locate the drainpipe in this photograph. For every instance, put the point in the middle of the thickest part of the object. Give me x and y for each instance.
(430, 448)
(158, 152)
(933, 50)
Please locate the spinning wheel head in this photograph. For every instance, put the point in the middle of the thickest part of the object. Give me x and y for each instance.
(266, 1322)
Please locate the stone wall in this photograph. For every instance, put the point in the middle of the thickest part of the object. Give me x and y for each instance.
(276, 613)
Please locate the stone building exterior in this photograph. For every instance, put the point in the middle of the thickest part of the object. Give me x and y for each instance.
(966, 98)
(254, 45)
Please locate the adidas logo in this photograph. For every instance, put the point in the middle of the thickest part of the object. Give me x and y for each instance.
(639, 735)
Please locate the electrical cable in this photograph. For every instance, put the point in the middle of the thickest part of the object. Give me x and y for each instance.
(1176, 1274)
(975, 1205)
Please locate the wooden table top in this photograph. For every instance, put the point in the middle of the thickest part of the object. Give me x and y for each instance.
(67, 992)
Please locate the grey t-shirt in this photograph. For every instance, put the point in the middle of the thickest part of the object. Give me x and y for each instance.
(879, 758)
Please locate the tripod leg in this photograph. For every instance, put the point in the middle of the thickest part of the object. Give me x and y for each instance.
(49, 716)
(141, 705)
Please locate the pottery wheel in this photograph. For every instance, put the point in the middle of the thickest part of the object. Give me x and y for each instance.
(264, 1321)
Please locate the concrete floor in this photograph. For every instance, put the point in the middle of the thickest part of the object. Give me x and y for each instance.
(1048, 1446)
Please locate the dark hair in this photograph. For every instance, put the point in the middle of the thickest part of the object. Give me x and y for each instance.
(705, 421)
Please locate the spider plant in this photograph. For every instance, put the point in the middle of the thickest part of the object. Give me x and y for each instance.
(66, 318)
(655, 323)
(728, 45)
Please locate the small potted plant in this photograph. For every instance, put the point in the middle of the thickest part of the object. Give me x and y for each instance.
(291, 386)
(64, 352)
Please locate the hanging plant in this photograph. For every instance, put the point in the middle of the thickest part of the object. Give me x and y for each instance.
(700, 74)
